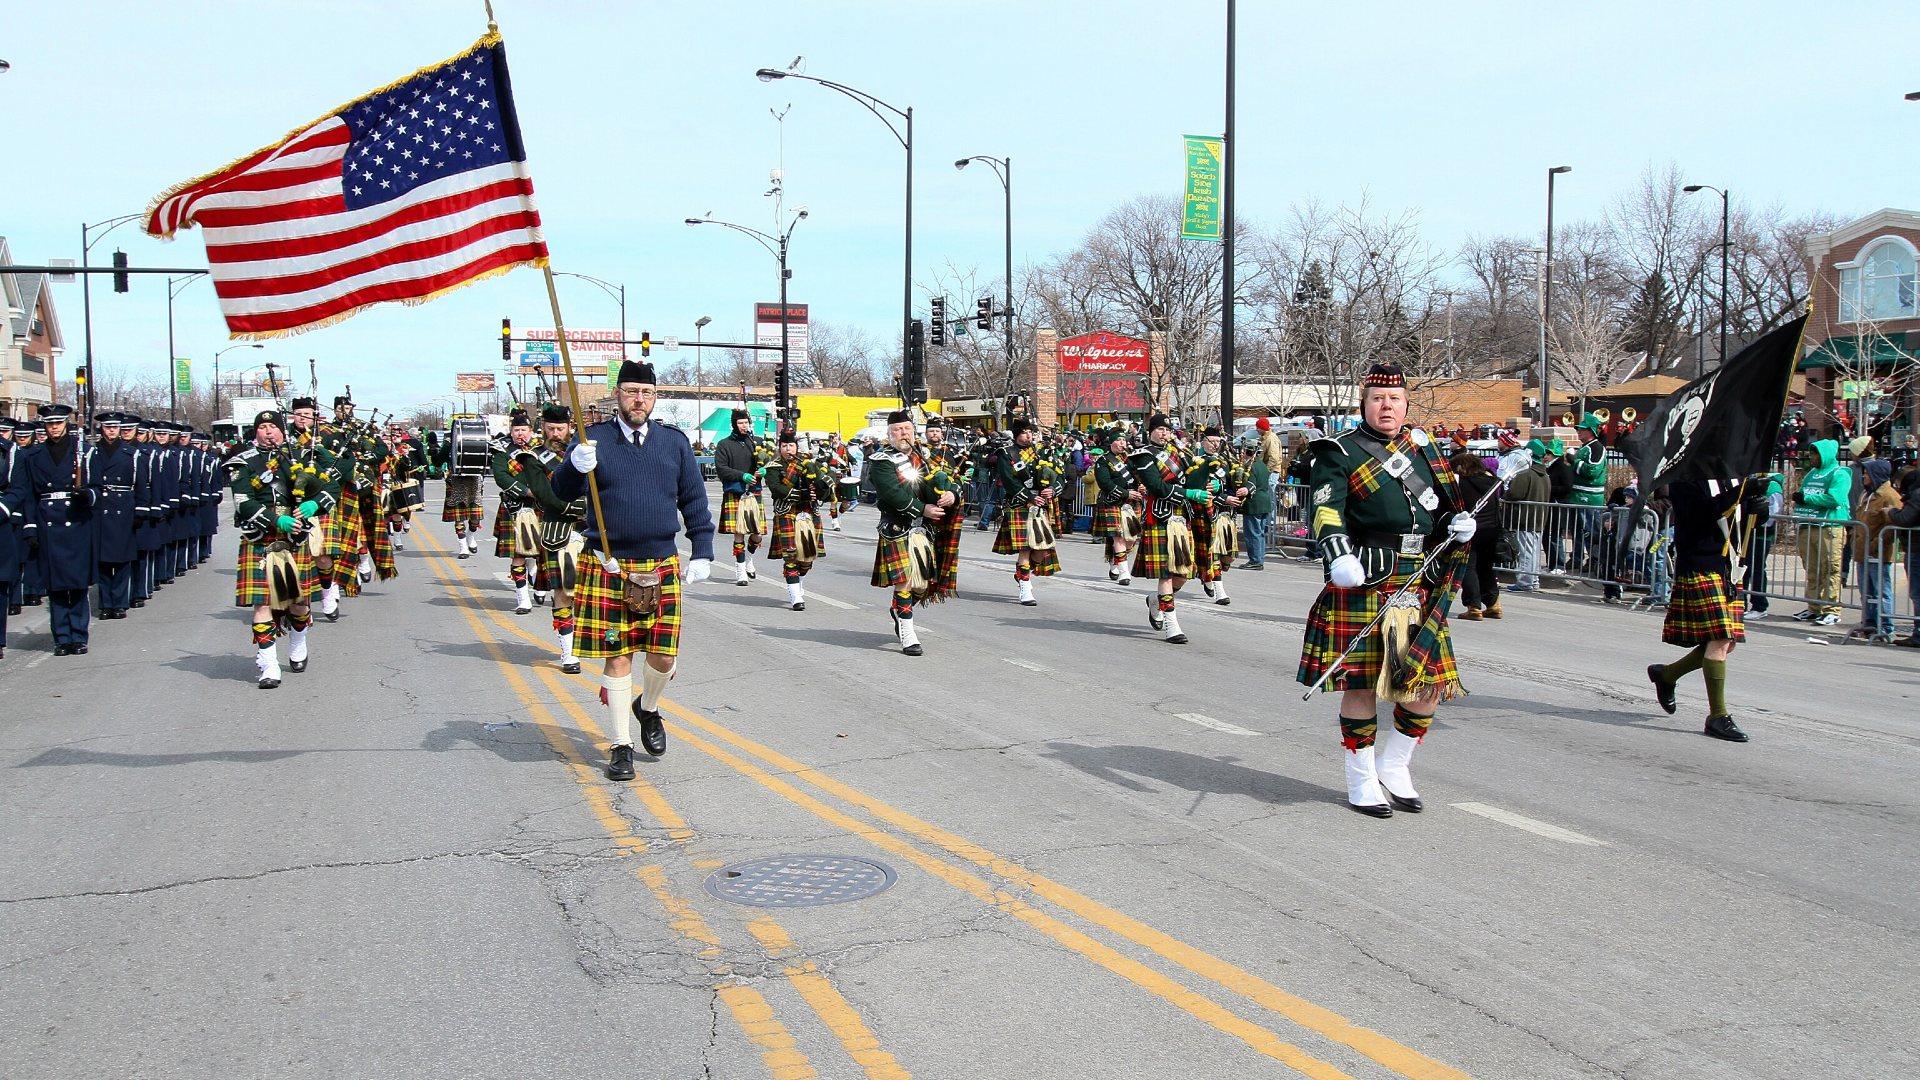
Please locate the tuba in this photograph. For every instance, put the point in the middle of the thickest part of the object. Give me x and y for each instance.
(1629, 414)
(1603, 414)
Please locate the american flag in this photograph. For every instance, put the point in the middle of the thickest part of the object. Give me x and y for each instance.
(411, 191)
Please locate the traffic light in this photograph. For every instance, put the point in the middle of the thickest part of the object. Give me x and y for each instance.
(506, 339)
(119, 271)
(939, 328)
(983, 313)
(646, 343)
(914, 372)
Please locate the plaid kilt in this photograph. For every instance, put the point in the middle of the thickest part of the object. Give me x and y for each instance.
(730, 511)
(946, 555)
(781, 546)
(1012, 539)
(890, 564)
(600, 611)
(1702, 609)
(1203, 558)
(462, 501)
(346, 529)
(1339, 614)
(503, 530)
(1106, 520)
(250, 577)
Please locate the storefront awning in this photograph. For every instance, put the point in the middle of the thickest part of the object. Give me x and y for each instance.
(1880, 350)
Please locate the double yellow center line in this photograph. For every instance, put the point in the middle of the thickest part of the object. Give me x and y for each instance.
(761, 763)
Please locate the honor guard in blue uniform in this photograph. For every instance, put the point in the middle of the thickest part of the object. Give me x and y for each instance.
(30, 585)
(53, 481)
(166, 502)
(206, 475)
(11, 519)
(189, 506)
(111, 474)
(146, 528)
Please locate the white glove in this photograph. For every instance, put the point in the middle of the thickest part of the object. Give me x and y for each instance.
(583, 457)
(1347, 573)
(1462, 528)
(699, 570)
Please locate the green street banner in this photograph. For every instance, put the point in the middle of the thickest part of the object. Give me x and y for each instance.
(1202, 218)
(182, 375)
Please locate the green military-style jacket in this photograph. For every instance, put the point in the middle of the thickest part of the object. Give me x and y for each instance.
(1379, 499)
(902, 486)
(268, 483)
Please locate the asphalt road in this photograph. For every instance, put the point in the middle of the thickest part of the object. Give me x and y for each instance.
(1115, 857)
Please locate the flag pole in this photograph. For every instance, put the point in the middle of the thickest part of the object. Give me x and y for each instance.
(579, 421)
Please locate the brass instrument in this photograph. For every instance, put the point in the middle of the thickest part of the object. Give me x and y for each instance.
(1602, 414)
(1629, 414)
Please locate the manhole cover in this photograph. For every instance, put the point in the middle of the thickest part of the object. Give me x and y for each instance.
(787, 881)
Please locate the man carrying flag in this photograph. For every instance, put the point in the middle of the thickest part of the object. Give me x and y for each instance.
(1702, 444)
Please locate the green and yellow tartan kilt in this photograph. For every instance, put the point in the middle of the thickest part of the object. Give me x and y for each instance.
(1702, 609)
(346, 529)
(1339, 614)
(730, 511)
(781, 545)
(1153, 555)
(503, 530)
(890, 564)
(1203, 560)
(600, 610)
(1012, 539)
(461, 503)
(946, 553)
(1106, 520)
(250, 576)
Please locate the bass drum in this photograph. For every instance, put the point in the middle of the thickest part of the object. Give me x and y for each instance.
(407, 497)
(471, 450)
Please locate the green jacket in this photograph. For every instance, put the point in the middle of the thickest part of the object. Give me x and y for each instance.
(1589, 474)
(1357, 506)
(901, 487)
(1259, 490)
(1825, 492)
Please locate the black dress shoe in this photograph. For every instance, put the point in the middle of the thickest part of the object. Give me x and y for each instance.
(63, 650)
(522, 610)
(1723, 727)
(620, 763)
(269, 684)
(14, 609)
(1381, 810)
(1154, 617)
(653, 732)
(81, 650)
(296, 666)
(570, 668)
(35, 601)
(801, 606)
(1662, 689)
(136, 603)
(1411, 806)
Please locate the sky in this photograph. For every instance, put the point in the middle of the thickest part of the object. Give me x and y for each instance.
(638, 115)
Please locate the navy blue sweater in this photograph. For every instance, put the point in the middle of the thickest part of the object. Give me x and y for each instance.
(645, 490)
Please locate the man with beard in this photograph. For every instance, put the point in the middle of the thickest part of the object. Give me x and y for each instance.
(649, 483)
(737, 464)
(560, 522)
(908, 504)
(52, 482)
(1027, 489)
(116, 512)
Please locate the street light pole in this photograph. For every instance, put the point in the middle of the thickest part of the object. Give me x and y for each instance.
(175, 286)
(85, 403)
(1229, 152)
(905, 137)
(1726, 201)
(1546, 303)
(1002, 168)
(699, 353)
(618, 292)
(777, 246)
(216, 370)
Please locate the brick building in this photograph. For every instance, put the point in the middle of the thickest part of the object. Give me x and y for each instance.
(1864, 332)
(31, 344)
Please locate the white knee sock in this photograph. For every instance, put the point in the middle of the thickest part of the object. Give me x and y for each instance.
(653, 683)
(619, 708)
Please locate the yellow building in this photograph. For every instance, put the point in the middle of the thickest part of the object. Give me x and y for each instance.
(837, 413)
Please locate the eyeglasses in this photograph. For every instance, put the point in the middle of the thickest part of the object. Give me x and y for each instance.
(637, 391)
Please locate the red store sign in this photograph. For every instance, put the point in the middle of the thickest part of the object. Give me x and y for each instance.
(1104, 353)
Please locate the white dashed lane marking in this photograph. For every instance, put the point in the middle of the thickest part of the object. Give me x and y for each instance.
(1527, 824)
(1216, 725)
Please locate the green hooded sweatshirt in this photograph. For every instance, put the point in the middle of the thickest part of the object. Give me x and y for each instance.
(1826, 490)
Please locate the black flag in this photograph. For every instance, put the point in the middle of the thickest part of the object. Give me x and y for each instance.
(1722, 425)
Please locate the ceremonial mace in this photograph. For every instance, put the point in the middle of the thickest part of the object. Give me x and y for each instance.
(1508, 470)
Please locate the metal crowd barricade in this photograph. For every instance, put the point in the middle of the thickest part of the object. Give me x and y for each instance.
(1583, 543)
(1899, 551)
(1777, 562)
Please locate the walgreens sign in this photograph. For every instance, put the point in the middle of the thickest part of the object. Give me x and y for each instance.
(1104, 353)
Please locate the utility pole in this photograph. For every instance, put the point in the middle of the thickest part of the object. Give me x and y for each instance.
(1229, 152)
